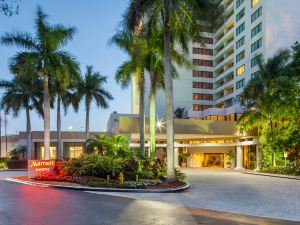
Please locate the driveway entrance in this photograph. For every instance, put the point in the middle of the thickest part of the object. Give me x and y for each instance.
(231, 191)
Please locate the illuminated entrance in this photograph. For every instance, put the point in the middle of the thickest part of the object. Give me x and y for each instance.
(213, 160)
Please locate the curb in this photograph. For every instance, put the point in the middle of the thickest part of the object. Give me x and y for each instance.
(8, 170)
(272, 175)
(84, 188)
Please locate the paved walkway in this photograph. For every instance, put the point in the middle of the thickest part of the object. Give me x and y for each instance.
(230, 191)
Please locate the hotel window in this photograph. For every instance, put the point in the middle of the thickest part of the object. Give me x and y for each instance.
(240, 70)
(240, 15)
(255, 2)
(200, 107)
(240, 56)
(256, 30)
(240, 29)
(239, 3)
(240, 84)
(202, 85)
(204, 74)
(240, 42)
(201, 62)
(255, 60)
(73, 150)
(41, 151)
(256, 45)
(204, 97)
(255, 74)
(202, 51)
(256, 14)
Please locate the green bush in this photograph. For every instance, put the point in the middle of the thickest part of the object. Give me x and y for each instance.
(93, 165)
(147, 174)
(99, 182)
(285, 168)
(180, 175)
(17, 164)
(3, 165)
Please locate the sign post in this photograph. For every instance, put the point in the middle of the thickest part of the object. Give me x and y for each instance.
(40, 167)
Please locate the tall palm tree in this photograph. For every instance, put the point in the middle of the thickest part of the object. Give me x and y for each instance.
(90, 88)
(23, 92)
(62, 86)
(133, 68)
(155, 67)
(183, 19)
(46, 49)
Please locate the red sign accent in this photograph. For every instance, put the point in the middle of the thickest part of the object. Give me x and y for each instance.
(40, 167)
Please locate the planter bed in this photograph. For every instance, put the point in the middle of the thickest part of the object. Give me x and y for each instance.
(141, 185)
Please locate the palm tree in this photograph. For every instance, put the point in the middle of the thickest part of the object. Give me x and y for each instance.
(155, 67)
(62, 87)
(181, 19)
(46, 49)
(90, 88)
(133, 68)
(23, 92)
(265, 108)
(97, 145)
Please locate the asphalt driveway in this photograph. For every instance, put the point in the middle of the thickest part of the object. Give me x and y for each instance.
(230, 191)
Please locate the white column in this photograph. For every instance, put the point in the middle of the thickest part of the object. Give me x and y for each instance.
(239, 158)
(176, 161)
(258, 157)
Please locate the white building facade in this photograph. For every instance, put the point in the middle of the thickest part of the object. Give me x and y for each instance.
(228, 60)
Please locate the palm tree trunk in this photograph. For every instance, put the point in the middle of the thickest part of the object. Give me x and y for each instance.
(273, 153)
(0, 134)
(28, 134)
(169, 103)
(46, 118)
(142, 118)
(59, 149)
(5, 131)
(152, 124)
(87, 124)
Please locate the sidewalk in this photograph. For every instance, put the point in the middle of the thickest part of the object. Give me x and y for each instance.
(270, 175)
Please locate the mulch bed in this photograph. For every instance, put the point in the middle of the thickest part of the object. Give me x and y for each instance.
(166, 184)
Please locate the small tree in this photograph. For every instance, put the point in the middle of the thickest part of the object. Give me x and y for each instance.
(14, 154)
(179, 113)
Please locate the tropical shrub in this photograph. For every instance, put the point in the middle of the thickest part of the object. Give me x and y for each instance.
(17, 164)
(93, 165)
(3, 165)
(180, 175)
(14, 154)
(146, 174)
(99, 182)
(285, 168)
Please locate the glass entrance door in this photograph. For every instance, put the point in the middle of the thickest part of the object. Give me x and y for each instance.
(213, 160)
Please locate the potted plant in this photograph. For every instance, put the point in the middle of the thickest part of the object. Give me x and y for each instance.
(229, 158)
(184, 156)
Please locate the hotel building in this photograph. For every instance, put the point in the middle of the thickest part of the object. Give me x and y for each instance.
(228, 59)
(210, 91)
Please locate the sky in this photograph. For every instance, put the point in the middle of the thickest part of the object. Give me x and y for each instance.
(96, 22)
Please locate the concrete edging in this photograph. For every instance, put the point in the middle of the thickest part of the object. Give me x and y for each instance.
(271, 175)
(84, 188)
(8, 170)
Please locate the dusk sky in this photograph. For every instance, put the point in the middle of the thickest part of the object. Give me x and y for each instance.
(96, 22)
